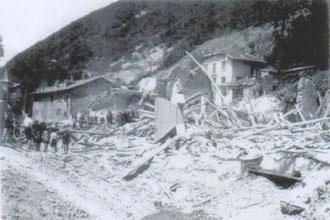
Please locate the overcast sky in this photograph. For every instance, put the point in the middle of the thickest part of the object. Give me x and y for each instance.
(24, 22)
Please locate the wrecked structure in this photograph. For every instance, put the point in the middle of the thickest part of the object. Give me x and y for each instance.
(62, 101)
(233, 74)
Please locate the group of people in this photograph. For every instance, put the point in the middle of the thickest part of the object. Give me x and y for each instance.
(39, 134)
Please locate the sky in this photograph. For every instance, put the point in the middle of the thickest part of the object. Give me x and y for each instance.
(25, 22)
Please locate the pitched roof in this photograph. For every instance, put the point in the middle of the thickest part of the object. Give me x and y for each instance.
(244, 57)
(71, 86)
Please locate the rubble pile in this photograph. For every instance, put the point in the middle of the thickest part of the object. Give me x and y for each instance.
(214, 168)
(277, 168)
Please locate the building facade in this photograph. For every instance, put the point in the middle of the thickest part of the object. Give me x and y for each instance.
(233, 75)
(64, 101)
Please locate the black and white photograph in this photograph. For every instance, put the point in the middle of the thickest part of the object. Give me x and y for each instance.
(164, 110)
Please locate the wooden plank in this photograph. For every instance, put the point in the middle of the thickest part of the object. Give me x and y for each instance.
(218, 109)
(148, 116)
(192, 109)
(300, 113)
(94, 144)
(168, 116)
(149, 105)
(192, 97)
(289, 125)
(148, 112)
(158, 150)
(283, 180)
(88, 132)
(289, 113)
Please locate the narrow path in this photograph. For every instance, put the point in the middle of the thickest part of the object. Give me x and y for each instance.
(22, 167)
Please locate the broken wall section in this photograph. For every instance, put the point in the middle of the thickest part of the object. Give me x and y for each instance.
(307, 98)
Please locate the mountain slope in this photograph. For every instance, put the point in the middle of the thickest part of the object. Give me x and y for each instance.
(130, 38)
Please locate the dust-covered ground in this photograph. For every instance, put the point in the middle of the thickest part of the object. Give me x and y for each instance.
(194, 179)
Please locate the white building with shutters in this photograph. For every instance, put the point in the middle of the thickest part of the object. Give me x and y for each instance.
(232, 74)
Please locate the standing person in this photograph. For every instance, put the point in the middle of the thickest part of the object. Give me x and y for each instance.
(178, 99)
(37, 130)
(53, 139)
(9, 128)
(27, 126)
(45, 139)
(109, 117)
(66, 135)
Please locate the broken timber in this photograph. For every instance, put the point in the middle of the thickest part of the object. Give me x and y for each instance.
(192, 97)
(289, 209)
(149, 157)
(279, 179)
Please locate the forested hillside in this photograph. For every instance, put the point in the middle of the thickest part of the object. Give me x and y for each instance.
(115, 32)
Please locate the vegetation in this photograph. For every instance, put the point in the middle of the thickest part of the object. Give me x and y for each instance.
(301, 34)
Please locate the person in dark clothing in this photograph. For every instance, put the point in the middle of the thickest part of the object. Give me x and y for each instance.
(66, 136)
(109, 117)
(9, 128)
(37, 139)
(37, 130)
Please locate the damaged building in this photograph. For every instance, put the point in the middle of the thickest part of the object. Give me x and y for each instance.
(62, 101)
(233, 74)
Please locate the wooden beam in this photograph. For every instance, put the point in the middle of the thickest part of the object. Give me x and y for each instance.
(279, 179)
(149, 105)
(149, 157)
(210, 78)
(144, 115)
(88, 132)
(300, 113)
(289, 125)
(192, 109)
(147, 112)
(232, 112)
(192, 97)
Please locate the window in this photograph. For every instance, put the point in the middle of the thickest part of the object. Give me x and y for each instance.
(58, 112)
(223, 79)
(214, 67)
(214, 77)
(223, 65)
(206, 66)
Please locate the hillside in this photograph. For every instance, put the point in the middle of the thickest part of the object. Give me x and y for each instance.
(131, 39)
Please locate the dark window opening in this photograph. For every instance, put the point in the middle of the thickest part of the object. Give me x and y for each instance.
(214, 67)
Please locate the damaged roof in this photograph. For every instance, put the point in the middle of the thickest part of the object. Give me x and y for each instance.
(244, 57)
(76, 84)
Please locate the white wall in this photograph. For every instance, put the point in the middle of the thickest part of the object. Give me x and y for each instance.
(234, 69)
(47, 110)
(217, 59)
